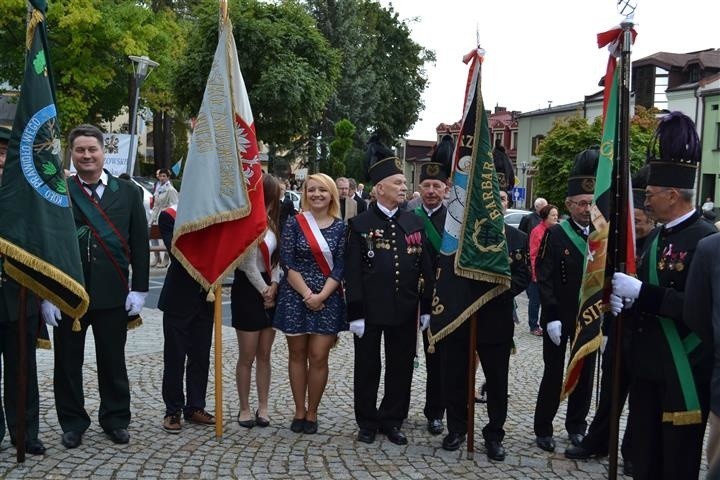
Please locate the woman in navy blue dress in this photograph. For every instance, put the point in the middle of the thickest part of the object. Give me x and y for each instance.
(311, 308)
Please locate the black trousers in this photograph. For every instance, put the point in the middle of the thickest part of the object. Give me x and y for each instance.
(661, 450)
(597, 439)
(434, 398)
(399, 355)
(9, 360)
(495, 361)
(548, 400)
(110, 332)
(187, 336)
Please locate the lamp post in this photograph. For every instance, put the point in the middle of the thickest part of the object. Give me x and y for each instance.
(523, 169)
(142, 66)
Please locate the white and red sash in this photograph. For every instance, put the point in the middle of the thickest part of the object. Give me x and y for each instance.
(318, 245)
(265, 252)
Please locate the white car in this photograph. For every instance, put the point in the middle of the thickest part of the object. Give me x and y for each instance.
(295, 197)
(146, 186)
(514, 215)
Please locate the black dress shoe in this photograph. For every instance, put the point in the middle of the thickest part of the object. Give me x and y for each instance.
(435, 426)
(261, 421)
(395, 436)
(309, 427)
(71, 439)
(452, 441)
(578, 452)
(576, 438)
(366, 435)
(546, 443)
(250, 423)
(495, 450)
(628, 468)
(297, 425)
(119, 436)
(33, 447)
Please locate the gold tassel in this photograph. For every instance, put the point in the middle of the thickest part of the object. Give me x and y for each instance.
(136, 322)
(431, 348)
(44, 344)
(76, 327)
(210, 296)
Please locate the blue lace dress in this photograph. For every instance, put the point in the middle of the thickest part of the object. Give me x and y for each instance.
(292, 317)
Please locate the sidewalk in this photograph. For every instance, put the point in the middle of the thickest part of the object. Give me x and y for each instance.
(275, 452)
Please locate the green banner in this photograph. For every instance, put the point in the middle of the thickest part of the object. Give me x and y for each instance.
(37, 231)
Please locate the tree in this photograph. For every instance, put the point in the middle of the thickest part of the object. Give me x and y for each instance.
(339, 148)
(90, 43)
(383, 74)
(289, 68)
(569, 136)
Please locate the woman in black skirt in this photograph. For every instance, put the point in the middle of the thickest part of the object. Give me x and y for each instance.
(253, 305)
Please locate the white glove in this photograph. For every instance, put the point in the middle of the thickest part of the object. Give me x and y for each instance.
(616, 304)
(625, 286)
(554, 331)
(358, 327)
(135, 302)
(50, 313)
(424, 321)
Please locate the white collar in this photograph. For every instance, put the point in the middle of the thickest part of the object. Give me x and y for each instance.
(387, 211)
(585, 230)
(680, 219)
(431, 211)
(103, 178)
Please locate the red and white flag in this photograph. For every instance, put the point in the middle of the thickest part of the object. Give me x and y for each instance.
(221, 212)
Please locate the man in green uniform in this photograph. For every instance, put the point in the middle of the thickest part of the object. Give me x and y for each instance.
(113, 236)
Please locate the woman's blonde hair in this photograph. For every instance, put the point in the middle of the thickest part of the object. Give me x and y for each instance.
(329, 183)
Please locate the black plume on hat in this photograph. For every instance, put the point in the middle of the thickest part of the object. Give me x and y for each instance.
(678, 152)
(440, 164)
(380, 161)
(639, 182)
(582, 175)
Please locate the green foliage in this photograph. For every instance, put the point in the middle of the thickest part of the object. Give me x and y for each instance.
(571, 135)
(289, 68)
(383, 74)
(339, 148)
(89, 46)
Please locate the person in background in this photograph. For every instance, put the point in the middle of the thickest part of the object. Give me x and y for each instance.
(310, 306)
(527, 224)
(287, 207)
(549, 217)
(708, 206)
(349, 204)
(353, 193)
(164, 196)
(253, 296)
(362, 193)
(187, 334)
(559, 268)
(112, 230)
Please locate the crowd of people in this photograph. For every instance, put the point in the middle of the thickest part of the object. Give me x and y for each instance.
(365, 263)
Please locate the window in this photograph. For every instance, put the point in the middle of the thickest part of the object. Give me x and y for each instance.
(513, 140)
(498, 138)
(717, 136)
(536, 141)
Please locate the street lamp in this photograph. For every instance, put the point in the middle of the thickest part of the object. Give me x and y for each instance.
(142, 66)
(523, 169)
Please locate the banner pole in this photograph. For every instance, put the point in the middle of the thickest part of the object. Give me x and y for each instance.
(217, 318)
(623, 179)
(471, 387)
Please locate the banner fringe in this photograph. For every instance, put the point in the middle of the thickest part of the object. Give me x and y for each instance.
(16, 253)
(585, 350)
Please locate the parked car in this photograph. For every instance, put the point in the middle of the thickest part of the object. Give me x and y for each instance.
(295, 197)
(514, 215)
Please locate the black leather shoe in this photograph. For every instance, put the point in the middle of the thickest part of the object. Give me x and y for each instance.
(297, 425)
(579, 452)
(546, 443)
(33, 447)
(261, 421)
(71, 439)
(452, 441)
(250, 423)
(366, 435)
(395, 436)
(435, 426)
(628, 470)
(576, 438)
(495, 450)
(119, 436)
(309, 427)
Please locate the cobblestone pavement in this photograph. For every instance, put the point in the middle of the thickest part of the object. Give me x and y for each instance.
(275, 452)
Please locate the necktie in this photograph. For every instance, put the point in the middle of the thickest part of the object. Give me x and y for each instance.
(93, 190)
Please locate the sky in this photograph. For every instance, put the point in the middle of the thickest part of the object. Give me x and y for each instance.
(538, 51)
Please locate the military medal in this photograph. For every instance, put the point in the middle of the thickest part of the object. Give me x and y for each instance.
(679, 267)
(661, 265)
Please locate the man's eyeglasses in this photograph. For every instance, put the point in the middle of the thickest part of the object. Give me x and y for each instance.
(582, 204)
